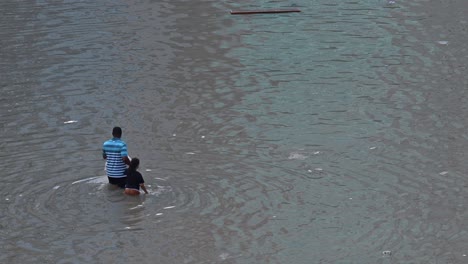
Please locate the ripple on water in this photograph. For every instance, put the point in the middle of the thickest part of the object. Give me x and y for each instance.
(50, 210)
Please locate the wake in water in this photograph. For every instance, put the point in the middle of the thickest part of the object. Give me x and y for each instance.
(102, 182)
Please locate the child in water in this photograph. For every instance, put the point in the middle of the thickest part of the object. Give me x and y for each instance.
(134, 179)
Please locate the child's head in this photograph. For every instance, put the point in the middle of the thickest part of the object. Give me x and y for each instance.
(134, 163)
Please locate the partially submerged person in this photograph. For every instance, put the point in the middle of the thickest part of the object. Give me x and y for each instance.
(115, 152)
(134, 179)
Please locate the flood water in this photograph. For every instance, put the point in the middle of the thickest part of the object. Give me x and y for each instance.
(334, 135)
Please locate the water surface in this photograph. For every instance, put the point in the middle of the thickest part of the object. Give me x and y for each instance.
(333, 135)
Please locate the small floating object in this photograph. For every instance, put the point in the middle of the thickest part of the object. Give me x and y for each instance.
(70, 122)
(272, 11)
(387, 253)
(296, 156)
(160, 179)
(224, 256)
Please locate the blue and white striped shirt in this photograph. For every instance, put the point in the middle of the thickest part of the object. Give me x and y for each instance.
(114, 150)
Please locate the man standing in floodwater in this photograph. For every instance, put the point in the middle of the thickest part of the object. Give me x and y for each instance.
(114, 151)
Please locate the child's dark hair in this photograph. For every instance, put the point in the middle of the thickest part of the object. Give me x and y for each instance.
(134, 163)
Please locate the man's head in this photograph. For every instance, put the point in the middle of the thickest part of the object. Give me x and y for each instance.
(117, 132)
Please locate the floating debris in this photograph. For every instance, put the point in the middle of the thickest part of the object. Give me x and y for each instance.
(372, 147)
(70, 122)
(297, 156)
(443, 173)
(272, 11)
(224, 256)
(56, 187)
(162, 179)
(387, 253)
(443, 42)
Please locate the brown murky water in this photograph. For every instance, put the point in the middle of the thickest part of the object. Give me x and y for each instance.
(334, 135)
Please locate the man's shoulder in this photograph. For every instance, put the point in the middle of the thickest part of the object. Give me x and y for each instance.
(119, 140)
(122, 143)
(114, 141)
(108, 142)
(112, 144)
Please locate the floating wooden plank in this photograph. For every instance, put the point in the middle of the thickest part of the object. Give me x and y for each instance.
(272, 11)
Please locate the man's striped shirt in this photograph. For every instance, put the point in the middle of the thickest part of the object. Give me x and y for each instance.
(115, 149)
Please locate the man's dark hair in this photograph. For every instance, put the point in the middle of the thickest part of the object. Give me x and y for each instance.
(117, 132)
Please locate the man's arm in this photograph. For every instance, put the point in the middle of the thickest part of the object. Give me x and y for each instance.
(124, 154)
(126, 160)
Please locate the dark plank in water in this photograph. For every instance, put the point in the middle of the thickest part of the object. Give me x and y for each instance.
(273, 11)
